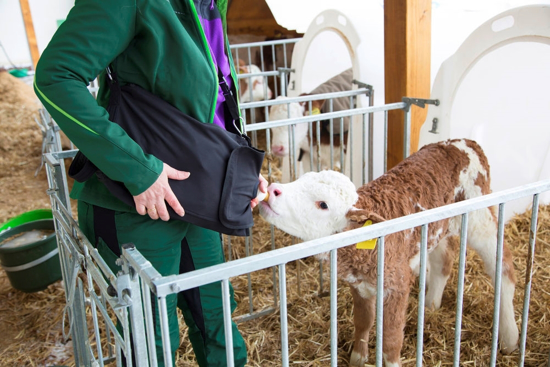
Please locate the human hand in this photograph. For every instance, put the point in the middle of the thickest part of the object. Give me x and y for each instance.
(152, 200)
(262, 187)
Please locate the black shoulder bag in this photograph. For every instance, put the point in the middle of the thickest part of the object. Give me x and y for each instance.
(224, 166)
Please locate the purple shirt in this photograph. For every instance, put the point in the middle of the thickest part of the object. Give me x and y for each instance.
(212, 26)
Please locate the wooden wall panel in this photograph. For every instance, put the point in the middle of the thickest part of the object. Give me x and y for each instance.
(407, 52)
(253, 17)
(29, 29)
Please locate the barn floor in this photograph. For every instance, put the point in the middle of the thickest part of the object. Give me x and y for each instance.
(31, 323)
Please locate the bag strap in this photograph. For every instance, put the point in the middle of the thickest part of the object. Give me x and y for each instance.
(114, 86)
(229, 98)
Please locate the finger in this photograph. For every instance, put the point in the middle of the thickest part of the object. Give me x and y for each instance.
(152, 211)
(253, 203)
(263, 184)
(174, 174)
(141, 209)
(163, 212)
(173, 201)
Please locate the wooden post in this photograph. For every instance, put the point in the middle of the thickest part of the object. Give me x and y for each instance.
(407, 52)
(29, 28)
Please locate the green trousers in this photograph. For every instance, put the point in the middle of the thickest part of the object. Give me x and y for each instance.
(172, 247)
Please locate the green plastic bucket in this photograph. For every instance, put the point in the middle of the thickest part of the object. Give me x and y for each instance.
(26, 217)
(33, 266)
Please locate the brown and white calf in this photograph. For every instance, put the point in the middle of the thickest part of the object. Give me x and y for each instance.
(323, 203)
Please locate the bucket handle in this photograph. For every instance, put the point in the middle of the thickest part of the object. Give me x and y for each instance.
(33, 263)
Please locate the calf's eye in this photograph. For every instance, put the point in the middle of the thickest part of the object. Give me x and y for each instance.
(322, 205)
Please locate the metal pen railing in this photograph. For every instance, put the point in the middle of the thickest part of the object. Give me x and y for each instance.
(164, 286)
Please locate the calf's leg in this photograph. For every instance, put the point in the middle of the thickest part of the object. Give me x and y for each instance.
(482, 237)
(363, 319)
(395, 310)
(441, 264)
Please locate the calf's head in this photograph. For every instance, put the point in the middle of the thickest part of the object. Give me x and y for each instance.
(280, 145)
(253, 88)
(314, 206)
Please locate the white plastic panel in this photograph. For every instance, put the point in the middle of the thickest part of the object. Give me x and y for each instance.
(494, 90)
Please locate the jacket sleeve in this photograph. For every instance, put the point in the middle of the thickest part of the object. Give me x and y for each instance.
(91, 37)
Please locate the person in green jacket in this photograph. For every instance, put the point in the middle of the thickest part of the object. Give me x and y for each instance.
(172, 48)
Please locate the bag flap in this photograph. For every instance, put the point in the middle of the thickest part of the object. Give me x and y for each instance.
(240, 186)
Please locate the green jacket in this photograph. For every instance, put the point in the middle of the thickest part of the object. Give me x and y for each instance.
(157, 44)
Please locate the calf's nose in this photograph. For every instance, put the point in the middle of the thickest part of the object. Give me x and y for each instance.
(278, 150)
(275, 190)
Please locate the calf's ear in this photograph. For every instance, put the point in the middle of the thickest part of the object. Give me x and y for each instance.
(357, 217)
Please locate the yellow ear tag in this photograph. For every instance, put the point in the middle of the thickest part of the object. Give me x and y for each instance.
(367, 245)
(315, 111)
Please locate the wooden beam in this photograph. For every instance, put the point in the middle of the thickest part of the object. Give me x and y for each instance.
(407, 53)
(29, 28)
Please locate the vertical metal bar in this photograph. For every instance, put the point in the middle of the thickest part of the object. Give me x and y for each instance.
(331, 129)
(78, 313)
(294, 151)
(380, 303)
(407, 134)
(460, 290)
(364, 150)
(93, 307)
(321, 278)
(385, 141)
(310, 130)
(249, 57)
(421, 295)
(107, 332)
(274, 69)
(283, 83)
(229, 248)
(248, 276)
(498, 283)
(342, 145)
(333, 308)
(165, 332)
(284, 55)
(118, 355)
(371, 139)
(136, 322)
(127, 339)
(318, 150)
(350, 148)
(284, 316)
(227, 323)
(149, 323)
(262, 65)
(529, 278)
(275, 295)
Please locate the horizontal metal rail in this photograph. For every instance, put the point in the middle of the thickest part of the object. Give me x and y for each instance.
(307, 98)
(324, 116)
(266, 43)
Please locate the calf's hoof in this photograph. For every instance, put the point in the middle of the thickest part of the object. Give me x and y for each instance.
(357, 360)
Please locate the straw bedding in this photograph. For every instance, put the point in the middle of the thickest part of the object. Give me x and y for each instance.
(31, 323)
